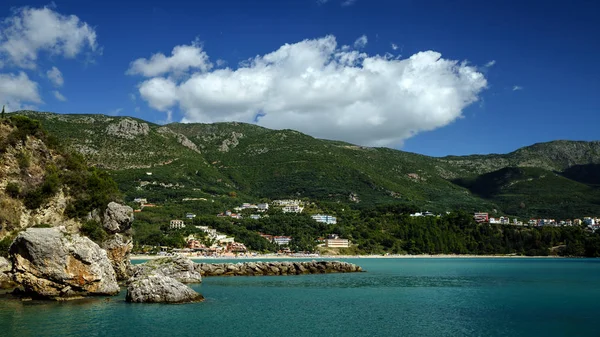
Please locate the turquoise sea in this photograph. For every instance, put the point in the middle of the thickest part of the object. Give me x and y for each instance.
(395, 297)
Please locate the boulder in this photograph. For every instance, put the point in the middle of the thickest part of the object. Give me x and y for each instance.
(6, 281)
(50, 263)
(158, 288)
(118, 248)
(180, 268)
(117, 218)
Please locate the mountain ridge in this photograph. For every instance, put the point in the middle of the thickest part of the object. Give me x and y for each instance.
(255, 162)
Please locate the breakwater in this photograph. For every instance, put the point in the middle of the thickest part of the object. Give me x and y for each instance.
(276, 268)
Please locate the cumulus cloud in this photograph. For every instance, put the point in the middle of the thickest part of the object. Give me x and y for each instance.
(17, 89)
(32, 30)
(517, 88)
(361, 42)
(394, 46)
(183, 58)
(490, 64)
(59, 96)
(55, 76)
(318, 88)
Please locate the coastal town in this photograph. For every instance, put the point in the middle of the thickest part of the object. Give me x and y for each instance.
(212, 243)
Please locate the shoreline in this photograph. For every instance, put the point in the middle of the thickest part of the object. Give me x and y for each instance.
(314, 257)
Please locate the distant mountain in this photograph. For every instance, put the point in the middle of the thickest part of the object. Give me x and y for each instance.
(556, 179)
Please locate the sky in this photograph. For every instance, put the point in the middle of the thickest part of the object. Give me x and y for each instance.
(432, 77)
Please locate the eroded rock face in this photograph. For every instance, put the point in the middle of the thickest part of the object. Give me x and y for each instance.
(180, 268)
(118, 248)
(128, 129)
(117, 218)
(50, 263)
(6, 281)
(158, 288)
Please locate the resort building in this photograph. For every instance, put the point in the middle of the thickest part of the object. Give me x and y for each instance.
(282, 240)
(337, 243)
(481, 217)
(176, 224)
(328, 219)
(292, 209)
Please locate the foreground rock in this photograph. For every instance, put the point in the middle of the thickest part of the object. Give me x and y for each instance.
(276, 268)
(179, 268)
(6, 281)
(158, 288)
(50, 263)
(118, 248)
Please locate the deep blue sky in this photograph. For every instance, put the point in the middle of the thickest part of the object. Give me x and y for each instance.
(547, 48)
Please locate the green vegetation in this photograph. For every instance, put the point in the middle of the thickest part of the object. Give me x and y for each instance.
(45, 169)
(94, 230)
(370, 189)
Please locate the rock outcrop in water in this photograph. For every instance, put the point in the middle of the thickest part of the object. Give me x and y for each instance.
(276, 268)
(50, 263)
(158, 288)
(179, 268)
(118, 248)
(161, 281)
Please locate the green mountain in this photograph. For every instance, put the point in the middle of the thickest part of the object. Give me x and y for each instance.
(557, 179)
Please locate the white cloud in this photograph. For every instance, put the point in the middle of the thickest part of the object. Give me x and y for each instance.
(115, 112)
(55, 76)
(59, 96)
(318, 88)
(394, 46)
(361, 42)
(132, 97)
(348, 3)
(490, 64)
(183, 58)
(32, 30)
(18, 91)
(517, 87)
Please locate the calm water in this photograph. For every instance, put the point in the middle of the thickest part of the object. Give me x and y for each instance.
(396, 297)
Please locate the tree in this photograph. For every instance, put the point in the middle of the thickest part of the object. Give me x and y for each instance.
(2, 112)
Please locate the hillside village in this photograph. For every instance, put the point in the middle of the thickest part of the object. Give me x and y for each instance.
(214, 243)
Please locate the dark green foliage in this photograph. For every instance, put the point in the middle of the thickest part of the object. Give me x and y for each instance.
(13, 189)
(5, 245)
(94, 230)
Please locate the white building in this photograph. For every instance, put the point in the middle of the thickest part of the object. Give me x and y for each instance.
(292, 209)
(176, 224)
(328, 219)
(337, 243)
(263, 207)
(287, 202)
(282, 240)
